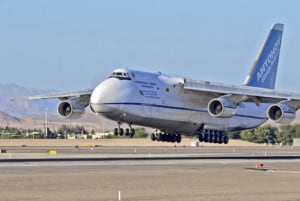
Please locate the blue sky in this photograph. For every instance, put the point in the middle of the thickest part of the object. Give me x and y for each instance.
(69, 45)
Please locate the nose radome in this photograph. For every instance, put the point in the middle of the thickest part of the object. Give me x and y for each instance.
(102, 97)
(97, 94)
(102, 92)
(97, 101)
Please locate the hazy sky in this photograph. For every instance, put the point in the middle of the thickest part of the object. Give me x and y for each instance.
(69, 45)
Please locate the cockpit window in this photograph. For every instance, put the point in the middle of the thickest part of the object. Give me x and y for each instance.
(120, 75)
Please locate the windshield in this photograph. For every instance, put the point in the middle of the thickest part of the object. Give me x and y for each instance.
(120, 74)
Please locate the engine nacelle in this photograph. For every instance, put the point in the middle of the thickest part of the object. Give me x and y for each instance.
(71, 109)
(221, 107)
(281, 113)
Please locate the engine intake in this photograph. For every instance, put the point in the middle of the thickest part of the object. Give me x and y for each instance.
(71, 109)
(281, 113)
(221, 107)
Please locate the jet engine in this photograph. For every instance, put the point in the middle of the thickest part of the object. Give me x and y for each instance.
(281, 113)
(71, 109)
(221, 107)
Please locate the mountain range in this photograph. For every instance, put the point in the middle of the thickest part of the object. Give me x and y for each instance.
(31, 114)
(22, 108)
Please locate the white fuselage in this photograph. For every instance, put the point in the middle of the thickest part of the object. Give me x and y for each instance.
(160, 101)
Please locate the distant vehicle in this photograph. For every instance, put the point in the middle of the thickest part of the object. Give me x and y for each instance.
(178, 106)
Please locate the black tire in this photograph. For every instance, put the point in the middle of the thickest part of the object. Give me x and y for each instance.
(178, 138)
(216, 138)
(200, 137)
(205, 137)
(220, 139)
(167, 137)
(153, 137)
(225, 139)
(132, 132)
(173, 138)
(163, 137)
(127, 133)
(121, 131)
(210, 138)
(116, 131)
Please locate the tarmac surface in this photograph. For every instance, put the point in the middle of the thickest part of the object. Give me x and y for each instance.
(150, 173)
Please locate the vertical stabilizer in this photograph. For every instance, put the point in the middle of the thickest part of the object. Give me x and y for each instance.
(264, 70)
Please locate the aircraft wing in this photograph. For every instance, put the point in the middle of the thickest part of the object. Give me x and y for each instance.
(243, 93)
(62, 96)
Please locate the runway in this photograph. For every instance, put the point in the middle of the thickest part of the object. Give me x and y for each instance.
(150, 173)
(36, 154)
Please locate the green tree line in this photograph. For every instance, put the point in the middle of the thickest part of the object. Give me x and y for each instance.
(20, 133)
(263, 134)
(15, 133)
(12, 132)
(269, 134)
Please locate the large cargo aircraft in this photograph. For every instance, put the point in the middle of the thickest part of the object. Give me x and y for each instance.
(176, 106)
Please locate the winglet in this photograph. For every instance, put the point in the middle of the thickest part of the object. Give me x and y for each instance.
(264, 70)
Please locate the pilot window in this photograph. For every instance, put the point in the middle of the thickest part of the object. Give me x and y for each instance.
(120, 75)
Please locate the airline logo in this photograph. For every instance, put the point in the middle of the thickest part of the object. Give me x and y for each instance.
(266, 68)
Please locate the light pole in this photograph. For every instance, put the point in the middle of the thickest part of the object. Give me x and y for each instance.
(46, 124)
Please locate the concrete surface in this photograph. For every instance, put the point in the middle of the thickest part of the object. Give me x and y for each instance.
(212, 179)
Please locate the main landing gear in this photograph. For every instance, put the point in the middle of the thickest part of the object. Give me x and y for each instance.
(127, 131)
(213, 136)
(166, 137)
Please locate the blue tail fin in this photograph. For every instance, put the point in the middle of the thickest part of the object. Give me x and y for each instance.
(264, 70)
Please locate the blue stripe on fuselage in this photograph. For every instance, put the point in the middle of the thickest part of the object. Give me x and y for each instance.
(177, 108)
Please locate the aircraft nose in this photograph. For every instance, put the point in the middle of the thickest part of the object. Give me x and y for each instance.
(97, 103)
(101, 98)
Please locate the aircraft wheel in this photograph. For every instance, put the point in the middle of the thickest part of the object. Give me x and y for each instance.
(225, 139)
(153, 137)
(205, 137)
(173, 138)
(132, 132)
(127, 132)
(121, 131)
(216, 139)
(170, 138)
(210, 138)
(201, 138)
(220, 139)
(167, 137)
(178, 138)
(162, 137)
(116, 131)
